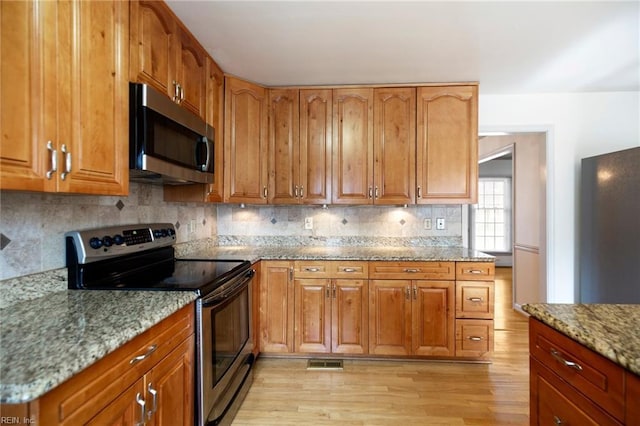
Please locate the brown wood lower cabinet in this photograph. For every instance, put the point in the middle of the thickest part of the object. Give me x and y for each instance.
(571, 384)
(116, 390)
(376, 308)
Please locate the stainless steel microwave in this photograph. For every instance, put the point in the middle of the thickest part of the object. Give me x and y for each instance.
(168, 144)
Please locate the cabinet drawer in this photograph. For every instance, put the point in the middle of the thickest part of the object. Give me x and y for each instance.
(412, 270)
(349, 269)
(596, 377)
(311, 269)
(474, 299)
(475, 271)
(474, 338)
(556, 402)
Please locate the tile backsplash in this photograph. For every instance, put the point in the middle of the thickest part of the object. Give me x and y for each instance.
(32, 225)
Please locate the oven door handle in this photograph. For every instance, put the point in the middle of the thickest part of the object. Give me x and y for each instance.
(232, 291)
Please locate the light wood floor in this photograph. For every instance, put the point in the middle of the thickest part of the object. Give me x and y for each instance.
(401, 393)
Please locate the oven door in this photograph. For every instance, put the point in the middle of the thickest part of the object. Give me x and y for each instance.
(226, 346)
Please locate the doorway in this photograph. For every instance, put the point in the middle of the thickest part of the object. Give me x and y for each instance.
(523, 154)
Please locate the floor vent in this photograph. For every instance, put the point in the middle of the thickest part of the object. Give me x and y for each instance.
(324, 364)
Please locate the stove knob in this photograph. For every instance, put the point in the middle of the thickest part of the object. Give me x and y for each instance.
(95, 243)
(157, 233)
(164, 233)
(107, 241)
(118, 239)
(171, 232)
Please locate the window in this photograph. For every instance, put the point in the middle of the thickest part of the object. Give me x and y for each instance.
(491, 217)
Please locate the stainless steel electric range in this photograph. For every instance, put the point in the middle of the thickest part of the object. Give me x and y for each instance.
(142, 257)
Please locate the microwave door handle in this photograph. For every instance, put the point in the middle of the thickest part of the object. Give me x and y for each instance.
(203, 165)
(208, 156)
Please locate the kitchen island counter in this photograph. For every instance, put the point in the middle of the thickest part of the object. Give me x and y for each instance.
(607, 329)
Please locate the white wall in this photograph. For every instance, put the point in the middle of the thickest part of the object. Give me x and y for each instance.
(578, 125)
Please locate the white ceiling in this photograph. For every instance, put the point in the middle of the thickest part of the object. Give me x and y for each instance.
(509, 47)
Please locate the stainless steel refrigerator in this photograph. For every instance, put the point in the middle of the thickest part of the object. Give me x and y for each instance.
(610, 228)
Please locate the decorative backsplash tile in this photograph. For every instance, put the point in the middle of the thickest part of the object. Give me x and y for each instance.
(32, 225)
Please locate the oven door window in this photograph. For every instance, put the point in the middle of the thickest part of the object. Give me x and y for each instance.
(230, 333)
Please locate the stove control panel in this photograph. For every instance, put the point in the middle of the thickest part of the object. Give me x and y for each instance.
(92, 245)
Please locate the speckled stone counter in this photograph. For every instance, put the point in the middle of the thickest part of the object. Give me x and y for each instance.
(610, 330)
(311, 252)
(49, 333)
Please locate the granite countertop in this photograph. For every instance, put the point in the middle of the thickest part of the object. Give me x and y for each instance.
(610, 330)
(49, 333)
(385, 253)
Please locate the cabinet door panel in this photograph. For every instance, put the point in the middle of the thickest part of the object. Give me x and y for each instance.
(349, 330)
(172, 379)
(312, 315)
(447, 140)
(395, 145)
(390, 317)
(124, 410)
(316, 106)
(97, 139)
(433, 331)
(26, 59)
(215, 118)
(284, 164)
(352, 146)
(152, 43)
(191, 74)
(245, 142)
(276, 307)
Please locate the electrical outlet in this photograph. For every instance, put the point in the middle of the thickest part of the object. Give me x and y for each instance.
(308, 223)
(427, 223)
(192, 226)
(440, 224)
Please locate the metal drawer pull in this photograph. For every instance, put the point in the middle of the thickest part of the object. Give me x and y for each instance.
(145, 355)
(474, 271)
(312, 269)
(141, 403)
(411, 270)
(349, 270)
(569, 364)
(154, 394)
(475, 299)
(54, 160)
(475, 338)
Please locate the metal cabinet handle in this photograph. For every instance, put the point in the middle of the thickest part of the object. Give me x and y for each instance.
(301, 191)
(312, 269)
(67, 162)
(176, 88)
(407, 293)
(559, 358)
(370, 192)
(140, 401)
(475, 338)
(291, 273)
(419, 192)
(54, 160)
(475, 299)
(377, 194)
(474, 271)
(328, 292)
(181, 93)
(295, 192)
(154, 394)
(415, 293)
(334, 291)
(151, 349)
(264, 192)
(411, 270)
(349, 270)
(557, 420)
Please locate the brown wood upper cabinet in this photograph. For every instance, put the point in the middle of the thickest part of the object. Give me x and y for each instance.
(65, 109)
(166, 56)
(374, 146)
(215, 117)
(245, 136)
(447, 144)
(300, 146)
